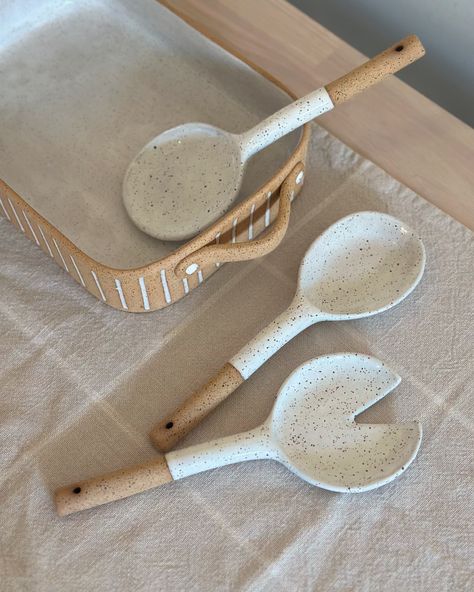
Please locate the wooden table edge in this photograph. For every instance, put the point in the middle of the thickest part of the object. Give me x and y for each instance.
(412, 138)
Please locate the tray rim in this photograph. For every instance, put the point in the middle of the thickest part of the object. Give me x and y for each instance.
(113, 277)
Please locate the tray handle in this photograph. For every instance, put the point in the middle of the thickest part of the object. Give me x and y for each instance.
(243, 251)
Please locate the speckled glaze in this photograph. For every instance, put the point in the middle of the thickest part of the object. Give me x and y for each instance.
(182, 181)
(189, 176)
(114, 486)
(205, 179)
(311, 430)
(362, 265)
(400, 54)
(284, 122)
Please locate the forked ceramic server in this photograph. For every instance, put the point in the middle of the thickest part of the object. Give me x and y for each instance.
(311, 430)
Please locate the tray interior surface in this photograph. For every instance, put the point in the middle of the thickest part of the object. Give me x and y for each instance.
(86, 84)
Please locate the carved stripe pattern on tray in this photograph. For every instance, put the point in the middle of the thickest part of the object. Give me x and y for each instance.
(7, 215)
(252, 210)
(46, 242)
(77, 270)
(123, 302)
(267, 210)
(30, 227)
(146, 303)
(164, 283)
(61, 255)
(99, 287)
(16, 215)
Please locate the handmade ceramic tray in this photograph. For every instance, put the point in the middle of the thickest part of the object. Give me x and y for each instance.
(85, 85)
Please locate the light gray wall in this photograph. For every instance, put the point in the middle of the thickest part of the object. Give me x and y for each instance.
(446, 28)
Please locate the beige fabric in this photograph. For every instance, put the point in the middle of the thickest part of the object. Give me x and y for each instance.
(82, 384)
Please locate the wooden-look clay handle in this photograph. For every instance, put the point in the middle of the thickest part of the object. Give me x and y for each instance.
(111, 487)
(243, 251)
(391, 60)
(194, 409)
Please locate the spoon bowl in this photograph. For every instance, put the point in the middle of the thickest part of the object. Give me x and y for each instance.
(183, 180)
(314, 430)
(362, 265)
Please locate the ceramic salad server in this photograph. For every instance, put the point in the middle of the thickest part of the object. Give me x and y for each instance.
(311, 430)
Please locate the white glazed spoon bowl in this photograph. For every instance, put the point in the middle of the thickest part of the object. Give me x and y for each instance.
(362, 265)
(187, 177)
(313, 425)
(195, 160)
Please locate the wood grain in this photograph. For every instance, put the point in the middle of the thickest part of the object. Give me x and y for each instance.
(413, 139)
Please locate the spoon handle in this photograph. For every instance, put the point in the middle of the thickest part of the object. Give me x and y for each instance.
(401, 54)
(113, 486)
(293, 116)
(284, 122)
(166, 434)
(252, 445)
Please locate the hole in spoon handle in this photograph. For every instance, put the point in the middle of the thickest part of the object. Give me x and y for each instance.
(393, 59)
(187, 416)
(113, 486)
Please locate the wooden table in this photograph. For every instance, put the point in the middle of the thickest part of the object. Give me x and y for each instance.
(416, 141)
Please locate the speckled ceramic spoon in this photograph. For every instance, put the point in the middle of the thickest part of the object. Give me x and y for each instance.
(188, 177)
(311, 430)
(360, 266)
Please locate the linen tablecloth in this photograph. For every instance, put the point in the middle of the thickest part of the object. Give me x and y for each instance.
(82, 384)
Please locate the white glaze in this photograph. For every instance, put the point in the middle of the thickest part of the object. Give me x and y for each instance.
(187, 177)
(362, 265)
(283, 122)
(252, 445)
(312, 431)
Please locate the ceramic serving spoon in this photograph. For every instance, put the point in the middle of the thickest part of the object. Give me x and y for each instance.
(187, 177)
(311, 430)
(362, 265)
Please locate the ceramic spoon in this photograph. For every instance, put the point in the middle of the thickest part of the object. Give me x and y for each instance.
(360, 266)
(187, 177)
(311, 430)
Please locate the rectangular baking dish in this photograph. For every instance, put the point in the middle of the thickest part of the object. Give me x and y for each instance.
(85, 85)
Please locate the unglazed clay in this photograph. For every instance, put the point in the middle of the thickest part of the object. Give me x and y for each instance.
(185, 179)
(360, 266)
(311, 430)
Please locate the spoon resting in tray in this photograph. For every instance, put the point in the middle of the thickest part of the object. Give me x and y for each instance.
(186, 178)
